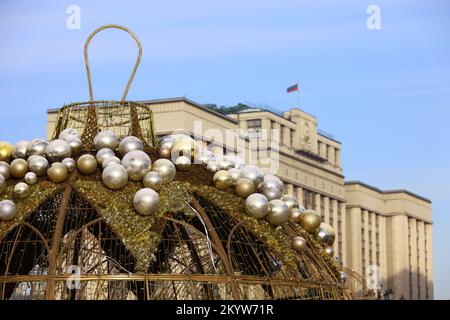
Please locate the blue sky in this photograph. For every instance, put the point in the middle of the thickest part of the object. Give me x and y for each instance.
(383, 93)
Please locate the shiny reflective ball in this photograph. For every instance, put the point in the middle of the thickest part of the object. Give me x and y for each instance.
(222, 180)
(137, 163)
(235, 174)
(130, 143)
(165, 168)
(271, 193)
(183, 163)
(37, 147)
(244, 187)
(205, 157)
(310, 221)
(8, 210)
(329, 251)
(111, 160)
(38, 165)
(213, 167)
(184, 146)
(6, 151)
(146, 201)
(115, 176)
(2, 184)
(76, 146)
(20, 149)
(104, 154)
(70, 164)
(153, 180)
(272, 181)
(69, 133)
(257, 205)
(106, 139)
(18, 168)
(253, 173)
(87, 164)
(58, 172)
(325, 234)
(290, 201)
(295, 214)
(57, 150)
(4, 170)
(31, 178)
(278, 213)
(298, 243)
(21, 190)
(165, 146)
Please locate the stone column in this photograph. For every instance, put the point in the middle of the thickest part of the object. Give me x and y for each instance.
(354, 241)
(344, 234)
(317, 207)
(334, 213)
(383, 252)
(413, 258)
(422, 265)
(299, 195)
(366, 241)
(373, 229)
(429, 256)
(326, 209)
(338, 158)
(290, 189)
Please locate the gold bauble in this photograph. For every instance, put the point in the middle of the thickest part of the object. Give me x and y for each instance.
(329, 251)
(295, 214)
(244, 187)
(87, 164)
(222, 180)
(298, 243)
(58, 172)
(310, 221)
(164, 152)
(21, 190)
(325, 234)
(18, 168)
(6, 151)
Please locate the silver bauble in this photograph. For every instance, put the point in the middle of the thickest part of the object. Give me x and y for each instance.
(21, 190)
(165, 168)
(271, 193)
(137, 163)
(165, 145)
(31, 178)
(278, 213)
(271, 180)
(2, 184)
(146, 201)
(257, 205)
(290, 201)
(226, 162)
(69, 133)
(4, 170)
(37, 147)
(130, 143)
(20, 149)
(183, 163)
(213, 167)
(205, 157)
(253, 173)
(38, 165)
(298, 243)
(295, 214)
(184, 146)
(106, 139)
(153, 180)
(115, 176)
(70, 164)
(76, 145)
(325, 234)
(57, 150)
(235, 175)
(344, 277)
(8, 210)
(104, 154)
(110, 160)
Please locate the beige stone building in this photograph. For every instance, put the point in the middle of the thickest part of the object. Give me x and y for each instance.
(391, 230)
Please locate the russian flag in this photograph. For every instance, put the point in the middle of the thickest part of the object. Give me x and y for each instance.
(292, 88)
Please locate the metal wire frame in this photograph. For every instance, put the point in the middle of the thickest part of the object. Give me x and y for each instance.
(209, 255)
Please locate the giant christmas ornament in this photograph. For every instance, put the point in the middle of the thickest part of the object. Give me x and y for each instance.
(257, 205)
(8, 210)
(271, 193)
(37, 147)
(104, 154)
(295, 214)
(106, 139)
(153, 180)
(21, 190)
(38, 165)
(4, 169)
(184, 146)
(137, 163)
(58, 172)
(271, 181)
(325, 234)
(20, 149)
(87, 164)
(18, 168)
(30, 178)
(6, 151)
(110, 160)
(57, 150)
(205, 157)
(69, 133)
(70, 164)
(165, 168)
(115, 176)
(226, 162)
(213, 167)
(244, 187)
(183, 163)
(75, 145)
(253, 173)
(329, 251)
(278, 213)
(165, 146)
(235, 174)
(290, 201)
(146, 201)
(309, 220)
(130, 143)
(298, 243)
(2, 184)
(222, 180)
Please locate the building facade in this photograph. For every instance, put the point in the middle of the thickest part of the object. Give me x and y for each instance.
(383, 233)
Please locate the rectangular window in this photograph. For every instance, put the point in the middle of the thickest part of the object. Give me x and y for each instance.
(254, 128)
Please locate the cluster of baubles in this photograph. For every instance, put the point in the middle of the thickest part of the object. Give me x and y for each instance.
(124, 160)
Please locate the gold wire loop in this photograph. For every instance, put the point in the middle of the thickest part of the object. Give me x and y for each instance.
(86, 58)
